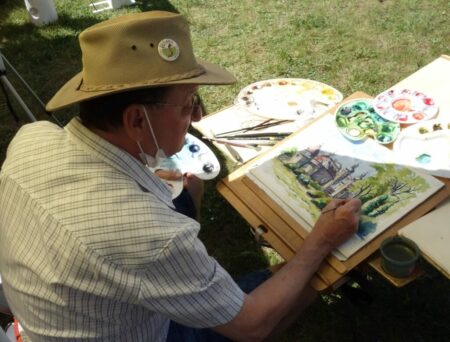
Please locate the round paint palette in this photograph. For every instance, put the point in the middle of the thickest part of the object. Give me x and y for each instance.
(288, 98)
(196, 158)
(426, 145)
(405, 106)
(357, 120)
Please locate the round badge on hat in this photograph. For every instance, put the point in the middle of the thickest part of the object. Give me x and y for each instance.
(168, 49)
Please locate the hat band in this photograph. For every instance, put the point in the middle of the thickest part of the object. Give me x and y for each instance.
(153, 81)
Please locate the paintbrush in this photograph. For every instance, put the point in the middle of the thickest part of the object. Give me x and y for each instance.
(234, 153)
(256, 135)
(340, 204)
(257, 140)
(262, 125)
(328, 210)
(226, 142)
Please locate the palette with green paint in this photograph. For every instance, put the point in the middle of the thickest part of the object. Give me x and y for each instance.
(357, 120)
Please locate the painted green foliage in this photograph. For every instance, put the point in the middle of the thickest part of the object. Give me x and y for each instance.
(382, 193)
(389, 186)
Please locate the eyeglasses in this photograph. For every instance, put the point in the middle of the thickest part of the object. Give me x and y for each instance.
(192, 109)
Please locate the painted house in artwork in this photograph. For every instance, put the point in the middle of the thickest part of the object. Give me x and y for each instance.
(323, 169)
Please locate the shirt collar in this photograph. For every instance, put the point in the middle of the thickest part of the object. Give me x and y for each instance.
(119, 159)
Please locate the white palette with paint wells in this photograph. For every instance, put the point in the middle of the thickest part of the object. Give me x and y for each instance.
(288, 98)
(426, 146)
(195, 157)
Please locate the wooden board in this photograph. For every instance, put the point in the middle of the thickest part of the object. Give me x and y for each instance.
(434, 80)
(431, 233)
(286, 235)
(375, 262)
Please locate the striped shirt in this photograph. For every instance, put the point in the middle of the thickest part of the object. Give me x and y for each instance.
(91, 248)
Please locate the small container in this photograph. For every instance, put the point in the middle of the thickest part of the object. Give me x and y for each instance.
(399, 256)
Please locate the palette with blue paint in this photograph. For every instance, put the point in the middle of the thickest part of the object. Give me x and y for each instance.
(357, 120)
(196, 158)
(426, 146)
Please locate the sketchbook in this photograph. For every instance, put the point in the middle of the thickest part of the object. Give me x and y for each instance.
(306, 171)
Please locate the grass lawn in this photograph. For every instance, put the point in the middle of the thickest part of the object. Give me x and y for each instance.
(351, 45)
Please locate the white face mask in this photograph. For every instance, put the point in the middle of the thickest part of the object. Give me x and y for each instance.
(150, 161)
(160, 162)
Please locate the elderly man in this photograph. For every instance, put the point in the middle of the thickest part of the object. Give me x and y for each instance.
(92, 247)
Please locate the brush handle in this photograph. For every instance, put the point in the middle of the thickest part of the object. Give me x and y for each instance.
(231, 143)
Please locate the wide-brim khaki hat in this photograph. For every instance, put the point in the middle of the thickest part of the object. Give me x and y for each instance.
(134, 51)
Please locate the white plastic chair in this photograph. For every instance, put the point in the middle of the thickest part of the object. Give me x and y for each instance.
(41, 12)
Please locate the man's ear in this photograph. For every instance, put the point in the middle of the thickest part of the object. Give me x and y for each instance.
(134, 122)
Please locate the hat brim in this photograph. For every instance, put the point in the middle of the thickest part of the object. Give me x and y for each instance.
(70, 93)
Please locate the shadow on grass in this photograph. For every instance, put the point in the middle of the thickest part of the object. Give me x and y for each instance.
(7, 6)
(152, 5)
(225, 233)
(47, 57)
(415, 312)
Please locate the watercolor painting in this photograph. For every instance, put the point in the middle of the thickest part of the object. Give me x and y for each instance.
(303, 178)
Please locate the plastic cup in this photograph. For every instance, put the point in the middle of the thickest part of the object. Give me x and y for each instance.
(399, 256)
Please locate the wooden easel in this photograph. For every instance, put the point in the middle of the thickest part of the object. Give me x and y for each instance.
(286, 235)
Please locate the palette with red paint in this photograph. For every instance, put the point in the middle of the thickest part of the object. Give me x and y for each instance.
(405, 106)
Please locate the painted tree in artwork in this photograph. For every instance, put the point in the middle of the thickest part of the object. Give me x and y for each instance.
(389, 188)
